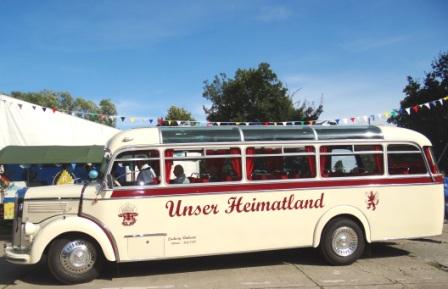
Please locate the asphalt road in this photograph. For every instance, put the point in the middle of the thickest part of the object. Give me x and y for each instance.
(419, 263)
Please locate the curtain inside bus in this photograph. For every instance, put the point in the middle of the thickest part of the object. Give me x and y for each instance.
(379, 160)
(236, 162)
(249, 163)
(311, 161)
(324, 159)
(168, 165)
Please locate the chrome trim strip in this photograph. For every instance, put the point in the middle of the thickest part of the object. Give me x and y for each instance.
(160, 135)
(316, 137)
(138, 159)
(241, 134)
(299, 180)
(348, 153)
(52, 199)
(146, 235)
(269, 191)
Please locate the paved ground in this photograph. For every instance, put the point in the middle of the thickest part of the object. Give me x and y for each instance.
(403, 264)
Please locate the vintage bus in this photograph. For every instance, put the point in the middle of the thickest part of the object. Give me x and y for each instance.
(170, 192)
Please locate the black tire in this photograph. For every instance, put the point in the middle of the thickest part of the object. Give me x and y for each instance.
(342, 242)
(75, 259)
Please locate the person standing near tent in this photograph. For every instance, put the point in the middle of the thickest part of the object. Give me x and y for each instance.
(4, 181)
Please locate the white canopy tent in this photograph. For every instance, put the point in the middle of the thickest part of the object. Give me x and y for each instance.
(26, 124)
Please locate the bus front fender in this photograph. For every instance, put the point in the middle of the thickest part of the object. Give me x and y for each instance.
(70, 224)
(340, 211)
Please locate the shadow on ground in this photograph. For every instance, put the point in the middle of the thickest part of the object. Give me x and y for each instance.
(39, 274)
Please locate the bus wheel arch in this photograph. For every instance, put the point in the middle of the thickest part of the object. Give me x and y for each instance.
(79, 226)
(346, 212)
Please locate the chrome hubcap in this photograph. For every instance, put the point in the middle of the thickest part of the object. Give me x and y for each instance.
(78, 256)
(344, 241)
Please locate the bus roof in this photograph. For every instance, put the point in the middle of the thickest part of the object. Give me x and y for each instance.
(237, 134)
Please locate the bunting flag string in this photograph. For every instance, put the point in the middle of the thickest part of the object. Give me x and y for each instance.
(159, 121)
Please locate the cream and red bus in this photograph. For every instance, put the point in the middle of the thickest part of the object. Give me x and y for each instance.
(242, 189)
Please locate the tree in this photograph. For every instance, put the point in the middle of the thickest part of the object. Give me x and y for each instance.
(107, 108)
(178, 113)
(254, 95)
(430, 122)
(63, 101)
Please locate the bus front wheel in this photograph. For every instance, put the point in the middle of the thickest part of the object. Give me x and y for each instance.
(74, 259)
(342, 241)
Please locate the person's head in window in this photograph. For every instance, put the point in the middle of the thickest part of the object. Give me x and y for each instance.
(180, 175)
(146, 175)
(212, 172)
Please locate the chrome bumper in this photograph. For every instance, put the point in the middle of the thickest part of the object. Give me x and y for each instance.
(16, 256)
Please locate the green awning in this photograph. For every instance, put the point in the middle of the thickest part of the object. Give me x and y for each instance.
(51, 154)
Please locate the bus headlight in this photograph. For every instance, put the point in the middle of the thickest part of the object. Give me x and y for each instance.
(31, 229)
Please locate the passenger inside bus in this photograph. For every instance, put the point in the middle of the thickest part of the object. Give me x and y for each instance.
(136, 168)
(180, 175)
(146, 175)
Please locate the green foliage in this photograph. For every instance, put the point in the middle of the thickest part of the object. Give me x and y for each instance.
(107, 107)
(430, 122)
(178, 113)
(63, 101)
(254, 95)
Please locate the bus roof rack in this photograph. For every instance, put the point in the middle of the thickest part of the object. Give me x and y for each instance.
(266, 133)
(348, 132)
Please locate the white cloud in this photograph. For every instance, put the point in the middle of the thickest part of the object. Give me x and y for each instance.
(158, 104)
(119, 25)
(364, 44)
(128, 107)
(274, 13)
(348, 95)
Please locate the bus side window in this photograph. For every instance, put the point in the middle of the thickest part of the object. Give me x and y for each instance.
(405, 159)
(351, 160)
(268, 163)
(136, 168)
(204, 165)
(222, 165)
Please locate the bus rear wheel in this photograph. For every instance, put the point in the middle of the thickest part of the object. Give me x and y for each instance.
(342, 242)
(74, 259)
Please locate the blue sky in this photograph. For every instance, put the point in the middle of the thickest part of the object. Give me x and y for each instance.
(149, 55)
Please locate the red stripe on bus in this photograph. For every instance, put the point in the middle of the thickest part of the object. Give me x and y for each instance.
(224, 188)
